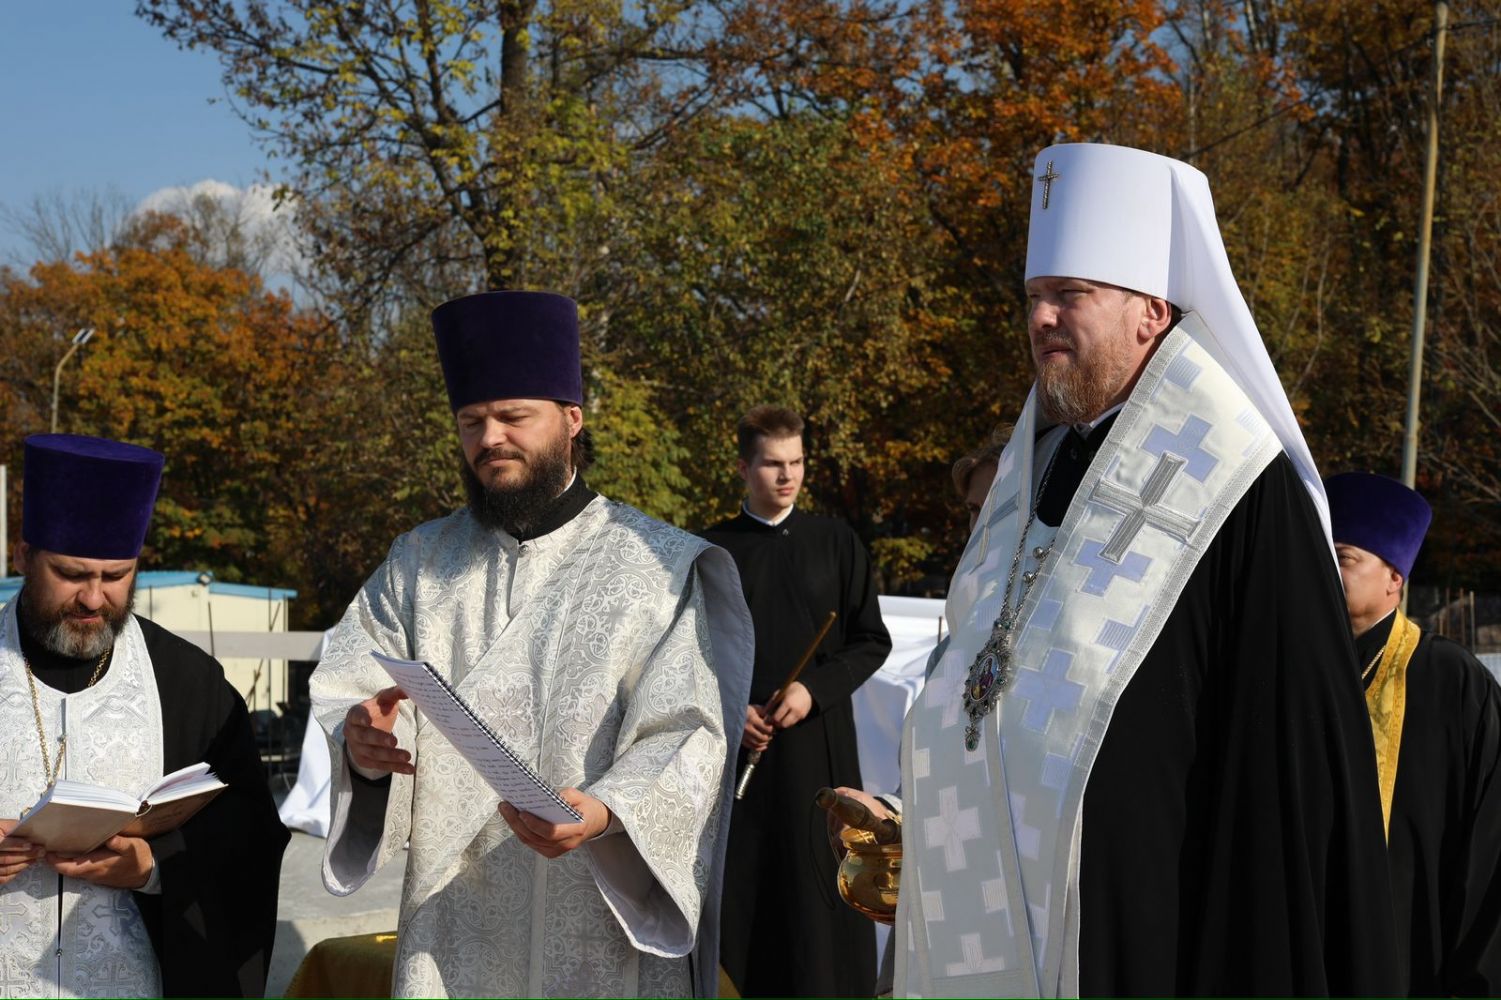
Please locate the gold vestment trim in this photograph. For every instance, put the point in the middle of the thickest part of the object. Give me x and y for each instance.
(1386, 701)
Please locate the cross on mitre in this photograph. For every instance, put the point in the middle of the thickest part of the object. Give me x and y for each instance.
(1046, 180)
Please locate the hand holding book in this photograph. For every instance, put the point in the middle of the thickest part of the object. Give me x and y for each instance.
(120, 862)
(553, 840)
(16, 855)
(74, 817)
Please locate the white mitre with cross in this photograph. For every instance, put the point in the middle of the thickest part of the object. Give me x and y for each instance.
(998, 750)
(1146, 222)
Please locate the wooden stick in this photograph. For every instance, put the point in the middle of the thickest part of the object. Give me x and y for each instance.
(776, 696)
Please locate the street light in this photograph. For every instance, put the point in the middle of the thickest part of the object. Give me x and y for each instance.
(79, 339)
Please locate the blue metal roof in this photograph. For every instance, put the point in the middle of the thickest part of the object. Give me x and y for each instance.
(160, 579)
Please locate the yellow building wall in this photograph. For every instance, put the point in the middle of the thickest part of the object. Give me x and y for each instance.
(262, 683)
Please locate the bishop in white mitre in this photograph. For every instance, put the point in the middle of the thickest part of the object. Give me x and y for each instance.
(1141, 766)
(610, 651)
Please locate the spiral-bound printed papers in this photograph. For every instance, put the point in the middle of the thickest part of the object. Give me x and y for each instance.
(509, 775)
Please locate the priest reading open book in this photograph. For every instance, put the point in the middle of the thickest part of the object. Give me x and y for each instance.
(75, 817)
(91, 695)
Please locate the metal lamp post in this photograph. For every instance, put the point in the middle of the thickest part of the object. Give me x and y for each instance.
(79, 339)
(1425, 235)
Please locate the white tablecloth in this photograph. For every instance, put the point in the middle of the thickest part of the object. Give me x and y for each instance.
(1492, 663)
(881, 703)
(307, 806)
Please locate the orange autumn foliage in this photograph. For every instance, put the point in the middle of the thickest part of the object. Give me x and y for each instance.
(199, 362)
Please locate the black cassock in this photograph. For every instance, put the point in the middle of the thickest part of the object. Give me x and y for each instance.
(214, 921)
(1445, 836)
(784, 929)
(1232, 839)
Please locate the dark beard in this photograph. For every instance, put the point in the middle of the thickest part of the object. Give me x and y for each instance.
(514, 509)
(56, 636)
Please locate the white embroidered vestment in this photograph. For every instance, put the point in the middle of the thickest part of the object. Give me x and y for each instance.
(64, 937)
(612, 654)
(989, 901)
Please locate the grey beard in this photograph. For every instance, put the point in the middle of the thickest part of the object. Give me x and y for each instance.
(59, 638)
(515, 509)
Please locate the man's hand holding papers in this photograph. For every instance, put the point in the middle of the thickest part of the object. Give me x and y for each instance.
(553, 840)
(368, 737)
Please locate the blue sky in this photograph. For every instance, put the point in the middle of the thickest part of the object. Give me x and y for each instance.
(94, 97)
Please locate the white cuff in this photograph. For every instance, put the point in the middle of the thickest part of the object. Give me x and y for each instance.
(153, 886)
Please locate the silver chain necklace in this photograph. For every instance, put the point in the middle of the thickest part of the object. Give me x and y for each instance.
(994, 667)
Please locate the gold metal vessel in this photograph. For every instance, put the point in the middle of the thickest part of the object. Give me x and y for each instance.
(870, 875)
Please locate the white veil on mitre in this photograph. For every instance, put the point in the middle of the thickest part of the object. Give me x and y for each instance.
(1146, 222)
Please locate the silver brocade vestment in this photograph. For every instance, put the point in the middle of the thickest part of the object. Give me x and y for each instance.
(989, 903)
(613, 654)
(114, 732)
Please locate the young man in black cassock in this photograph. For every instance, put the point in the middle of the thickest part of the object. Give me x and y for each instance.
(91, 692)
(785, 931)
(1436, 718)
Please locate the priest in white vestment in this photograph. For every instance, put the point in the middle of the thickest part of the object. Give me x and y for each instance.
(610, 651)
(1140, 765)
(91, 693)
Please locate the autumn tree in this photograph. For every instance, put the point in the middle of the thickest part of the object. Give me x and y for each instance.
(1364, 73)
(54, 225)
(198, 362)
(1460, 455)
(744, 282)
(437, 144)
(382, 458)
(468, 138)
(826, 204)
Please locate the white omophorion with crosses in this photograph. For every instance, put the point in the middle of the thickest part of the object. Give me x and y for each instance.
(990, 881)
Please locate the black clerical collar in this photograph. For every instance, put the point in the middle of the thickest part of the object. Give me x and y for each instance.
(569, 504)
(1069, 463)
(61, 673)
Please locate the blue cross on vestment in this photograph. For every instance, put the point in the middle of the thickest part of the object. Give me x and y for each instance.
(1103, 571)
(1047, 690)
(1186, 443)
(1116, 636)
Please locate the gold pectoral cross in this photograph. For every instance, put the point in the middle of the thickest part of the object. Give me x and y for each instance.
(1046, 180)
